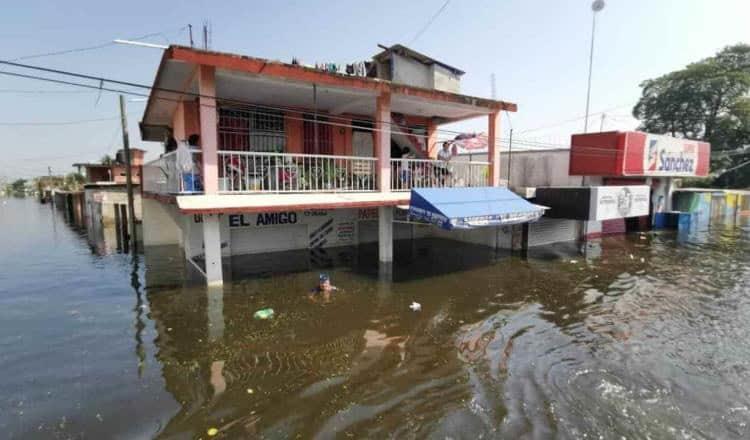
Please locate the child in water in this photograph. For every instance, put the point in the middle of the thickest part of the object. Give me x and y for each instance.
(323, 289)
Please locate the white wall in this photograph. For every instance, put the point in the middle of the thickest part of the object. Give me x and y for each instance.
(445, 80)
(160, 226)
(410, 72)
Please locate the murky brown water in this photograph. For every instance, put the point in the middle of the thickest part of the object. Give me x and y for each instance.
(650, 340)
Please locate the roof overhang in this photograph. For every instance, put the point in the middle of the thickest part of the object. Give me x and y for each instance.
(253, 203)
(248, 81)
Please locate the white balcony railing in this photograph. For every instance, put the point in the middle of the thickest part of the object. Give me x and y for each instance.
(255, 172)
(163, 176)
(248, 172)
(423, 173)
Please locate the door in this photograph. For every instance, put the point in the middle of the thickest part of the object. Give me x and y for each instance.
(362, 144)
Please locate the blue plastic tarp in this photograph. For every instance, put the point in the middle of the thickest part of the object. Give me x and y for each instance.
(466, 208)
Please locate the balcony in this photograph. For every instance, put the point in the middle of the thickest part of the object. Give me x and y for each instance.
(425, 173)
(243, 172)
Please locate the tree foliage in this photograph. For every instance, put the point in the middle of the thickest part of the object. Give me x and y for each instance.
(708, 100)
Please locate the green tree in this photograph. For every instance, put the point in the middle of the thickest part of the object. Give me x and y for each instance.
(107, 160)
(18, 187)
(708, 100)
(73, 181)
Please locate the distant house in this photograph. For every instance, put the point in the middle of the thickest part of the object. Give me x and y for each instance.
(115, 171)
(105, 202)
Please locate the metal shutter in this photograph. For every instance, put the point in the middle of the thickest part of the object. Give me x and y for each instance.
(549, 230)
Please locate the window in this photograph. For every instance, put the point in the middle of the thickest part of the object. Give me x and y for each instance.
(317, 136)
(251, 129)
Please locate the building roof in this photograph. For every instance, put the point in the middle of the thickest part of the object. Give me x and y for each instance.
(413, 54)
(257, 81)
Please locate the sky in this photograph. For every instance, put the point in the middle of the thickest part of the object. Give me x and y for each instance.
(538, 52)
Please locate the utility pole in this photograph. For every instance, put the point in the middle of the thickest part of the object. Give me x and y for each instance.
(510, 151)
(601, 124)
(596, 7)
(128, 175)
(190, 31)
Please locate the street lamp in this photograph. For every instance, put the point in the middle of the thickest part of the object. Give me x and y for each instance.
(596, 6)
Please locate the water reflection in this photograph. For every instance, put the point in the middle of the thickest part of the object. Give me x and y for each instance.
(646, 339)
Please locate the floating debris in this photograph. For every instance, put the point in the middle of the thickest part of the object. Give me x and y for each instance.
(250, 391)
(212, 432)
(263, 314)
(415, 306)
(573, 261)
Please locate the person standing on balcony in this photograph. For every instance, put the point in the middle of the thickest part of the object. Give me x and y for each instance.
(187, 166)
(443, 171)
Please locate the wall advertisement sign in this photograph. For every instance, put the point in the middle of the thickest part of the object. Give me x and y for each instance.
(668, 156)
(613, 202)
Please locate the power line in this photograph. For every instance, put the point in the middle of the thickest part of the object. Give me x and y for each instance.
(346, 122)
(429, 23)
(94, 47)
(43, 92)
(578, 118)
(56, 123)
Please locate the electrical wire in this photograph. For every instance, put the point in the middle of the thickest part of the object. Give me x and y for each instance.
(94, 47)
(57, 123)
(429, 22)
(253, 108)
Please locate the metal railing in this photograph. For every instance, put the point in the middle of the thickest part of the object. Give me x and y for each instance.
(164, 176)
(425, 173)
(249, 172)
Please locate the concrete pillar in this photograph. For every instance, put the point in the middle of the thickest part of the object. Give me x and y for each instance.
(212, 249)
(215, 312)
(383, 141)
(209, 136)
(432, 139)
(385, 234)
(493, 148)
(668, 193)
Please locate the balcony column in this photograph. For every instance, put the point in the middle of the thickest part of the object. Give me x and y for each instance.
(493, 148)
(209, 145)
(432, 139)
(383, 155)
(383, 141)
(209, 136)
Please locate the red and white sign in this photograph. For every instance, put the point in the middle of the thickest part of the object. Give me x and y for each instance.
(634, 153)
(668, 156)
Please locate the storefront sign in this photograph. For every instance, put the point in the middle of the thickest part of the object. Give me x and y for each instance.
(613, 202)
(265, 219)
(668, 156)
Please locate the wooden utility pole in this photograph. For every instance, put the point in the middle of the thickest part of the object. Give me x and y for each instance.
(128, 176)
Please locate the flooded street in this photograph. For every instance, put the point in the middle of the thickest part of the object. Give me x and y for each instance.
(649, 340)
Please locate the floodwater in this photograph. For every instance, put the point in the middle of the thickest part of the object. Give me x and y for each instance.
(649, 340)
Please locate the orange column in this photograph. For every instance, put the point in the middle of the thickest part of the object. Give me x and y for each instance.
(209, 136)
(493, 148)
(432, 139)
(178, 122)
(383, 141)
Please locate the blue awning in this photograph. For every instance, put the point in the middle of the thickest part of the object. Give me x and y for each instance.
(466, 208)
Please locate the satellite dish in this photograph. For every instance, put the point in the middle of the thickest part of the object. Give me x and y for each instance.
(597, 6)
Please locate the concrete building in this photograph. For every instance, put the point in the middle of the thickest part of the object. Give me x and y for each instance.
(105, 201)
(297, 157)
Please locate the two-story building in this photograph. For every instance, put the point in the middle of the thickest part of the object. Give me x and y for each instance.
(290, 156)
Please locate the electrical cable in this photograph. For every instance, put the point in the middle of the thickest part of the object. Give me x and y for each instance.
(429, 22)
(94, 47)
(348, 122)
